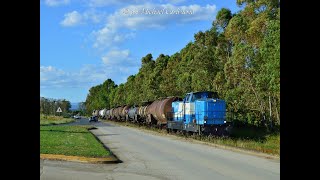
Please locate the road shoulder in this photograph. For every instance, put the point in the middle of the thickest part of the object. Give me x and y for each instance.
(106, 160)
(230, 148)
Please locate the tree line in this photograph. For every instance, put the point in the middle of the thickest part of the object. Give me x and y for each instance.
(238, 57)
(49, 106)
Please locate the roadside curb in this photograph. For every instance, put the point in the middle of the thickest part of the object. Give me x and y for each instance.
(106, 160)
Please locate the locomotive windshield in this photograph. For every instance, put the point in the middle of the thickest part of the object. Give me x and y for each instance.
(201, 95)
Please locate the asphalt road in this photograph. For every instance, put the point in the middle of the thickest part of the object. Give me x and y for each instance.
(148, 156)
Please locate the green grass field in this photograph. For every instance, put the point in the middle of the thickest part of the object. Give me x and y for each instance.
(53, 120)
(70, 141)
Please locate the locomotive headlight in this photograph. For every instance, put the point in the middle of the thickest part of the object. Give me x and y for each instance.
(224, 121)
(205, 121)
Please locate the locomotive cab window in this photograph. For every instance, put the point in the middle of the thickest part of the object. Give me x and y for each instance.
(194, 97)
(213, 95)
(186, 100)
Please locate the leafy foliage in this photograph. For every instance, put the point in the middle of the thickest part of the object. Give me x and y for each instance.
(50, 106)
(238, 57)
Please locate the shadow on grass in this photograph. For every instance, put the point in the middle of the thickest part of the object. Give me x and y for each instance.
(50, 124)
(56, 124)
(106, 134)
(61, 131)
(252, 133)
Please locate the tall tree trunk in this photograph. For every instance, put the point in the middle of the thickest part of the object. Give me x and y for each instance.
(270, 115)
(277, 113)
(257, 99)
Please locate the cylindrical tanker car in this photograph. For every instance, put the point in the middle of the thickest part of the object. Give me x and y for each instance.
(115, 113)
(124, 112)
(95, 113)
(158, 111)
(118, 112)
(111, 114)
(132, 114)
(102, 113)
(142, 112)
(107, 114)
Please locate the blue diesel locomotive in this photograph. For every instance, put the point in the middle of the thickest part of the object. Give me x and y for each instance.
(199, 112)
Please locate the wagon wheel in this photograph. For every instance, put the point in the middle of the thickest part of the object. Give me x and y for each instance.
(149, 119)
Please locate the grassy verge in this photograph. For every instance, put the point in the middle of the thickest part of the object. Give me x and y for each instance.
(270, 144)
(253, 139)
(53, 120)
(70, 141)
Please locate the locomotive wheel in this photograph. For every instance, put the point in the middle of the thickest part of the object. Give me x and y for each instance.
(189, 133)
(175, 130)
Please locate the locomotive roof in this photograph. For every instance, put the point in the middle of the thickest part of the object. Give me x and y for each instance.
(202, 92)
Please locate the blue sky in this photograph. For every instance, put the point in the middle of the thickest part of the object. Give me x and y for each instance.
(85, 42)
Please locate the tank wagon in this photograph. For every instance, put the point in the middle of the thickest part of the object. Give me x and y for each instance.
(102, 113)
(107, 114)
(111, 114)
(95, 113)
(124, 112)
(142, 112)
(132, 114)
(117, 112)
(158, 111)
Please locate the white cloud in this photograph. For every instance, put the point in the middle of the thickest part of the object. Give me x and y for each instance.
(115, 57)
(119, 58)
(104, 37)
(51, 77)
(88, 75)
(72, 19)
(75, 18)
(94, 16)
(56, 2)
(172, 1)
(136, 17)
(107, 37)
(102, 3)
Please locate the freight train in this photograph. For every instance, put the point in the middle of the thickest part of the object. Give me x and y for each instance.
(198, 113)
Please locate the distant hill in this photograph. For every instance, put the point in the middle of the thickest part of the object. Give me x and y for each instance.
(74, 106)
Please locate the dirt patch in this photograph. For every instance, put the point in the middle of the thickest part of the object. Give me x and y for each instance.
(106, 160)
